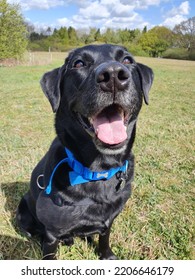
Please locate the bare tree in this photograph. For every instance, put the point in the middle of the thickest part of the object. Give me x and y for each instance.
(185, 34)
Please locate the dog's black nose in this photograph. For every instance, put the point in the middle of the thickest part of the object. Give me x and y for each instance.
(112, 76)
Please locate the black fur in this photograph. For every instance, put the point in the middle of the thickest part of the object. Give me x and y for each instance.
(92, 78)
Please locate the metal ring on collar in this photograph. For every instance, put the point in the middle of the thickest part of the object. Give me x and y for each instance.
(40, 187)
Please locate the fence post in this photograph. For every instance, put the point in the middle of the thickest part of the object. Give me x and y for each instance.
(50, 54)
(30, 58)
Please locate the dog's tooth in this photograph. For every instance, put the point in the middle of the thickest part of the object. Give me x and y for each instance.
(90, 121)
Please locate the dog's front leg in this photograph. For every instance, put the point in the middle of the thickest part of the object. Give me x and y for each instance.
(49, 246)
(104, 249)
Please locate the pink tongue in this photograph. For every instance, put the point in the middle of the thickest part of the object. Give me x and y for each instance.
(110, 128)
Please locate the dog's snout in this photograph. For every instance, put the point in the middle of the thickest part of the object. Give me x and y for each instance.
(112, 76)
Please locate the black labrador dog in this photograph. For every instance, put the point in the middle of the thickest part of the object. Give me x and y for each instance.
(84, 180)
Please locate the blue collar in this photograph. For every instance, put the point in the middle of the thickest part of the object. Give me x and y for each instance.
(82, 174)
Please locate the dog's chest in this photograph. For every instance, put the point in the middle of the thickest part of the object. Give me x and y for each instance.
(83, 216)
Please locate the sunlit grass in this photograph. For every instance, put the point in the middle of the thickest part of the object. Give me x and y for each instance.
(158, 220)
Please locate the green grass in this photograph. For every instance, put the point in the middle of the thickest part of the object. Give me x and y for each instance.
(158, 220)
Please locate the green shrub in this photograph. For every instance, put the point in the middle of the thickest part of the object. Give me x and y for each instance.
(13, 31)
(192, 55)
(176, 53)
(136, 50)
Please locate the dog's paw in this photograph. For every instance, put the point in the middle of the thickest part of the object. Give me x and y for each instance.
(69, 241)
(50, 256)
(26, 233)
(108, 255)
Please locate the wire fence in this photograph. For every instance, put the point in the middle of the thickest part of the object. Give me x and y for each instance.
(36, 58)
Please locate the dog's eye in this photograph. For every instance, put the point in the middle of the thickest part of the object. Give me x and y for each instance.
(78, 64)
(127, 60)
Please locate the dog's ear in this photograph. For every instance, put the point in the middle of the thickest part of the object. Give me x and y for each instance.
(50, 84)
(147, 76)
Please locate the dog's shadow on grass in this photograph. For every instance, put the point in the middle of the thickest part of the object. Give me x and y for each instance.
(13, 244)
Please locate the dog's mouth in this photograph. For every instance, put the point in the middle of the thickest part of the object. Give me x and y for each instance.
(109, 125)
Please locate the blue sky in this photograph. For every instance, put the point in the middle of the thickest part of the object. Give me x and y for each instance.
(106, 13)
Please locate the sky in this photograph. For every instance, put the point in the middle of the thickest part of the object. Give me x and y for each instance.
(105, 14)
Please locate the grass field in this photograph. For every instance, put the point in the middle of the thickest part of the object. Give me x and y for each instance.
(158, 220)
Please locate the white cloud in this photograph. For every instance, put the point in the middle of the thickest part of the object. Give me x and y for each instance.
(121, 4)
(27, 5)
(107, 13)
(177, 14)
(144, 4)
(122, 10)
(63, 21)
(104, 14)
(95, 10)
(183, 9)
(172, 21)
(122, 23)
(40, 26)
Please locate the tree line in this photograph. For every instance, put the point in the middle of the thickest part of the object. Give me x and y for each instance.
(16, 36)
(156, 42)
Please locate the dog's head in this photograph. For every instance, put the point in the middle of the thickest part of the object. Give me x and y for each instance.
(98, 94)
